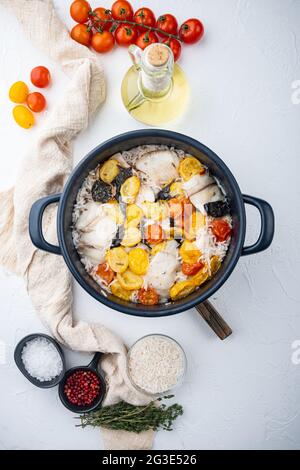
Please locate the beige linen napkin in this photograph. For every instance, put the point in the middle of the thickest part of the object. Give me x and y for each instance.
(43, 172)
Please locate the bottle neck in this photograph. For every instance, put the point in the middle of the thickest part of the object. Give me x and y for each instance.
(156, 71)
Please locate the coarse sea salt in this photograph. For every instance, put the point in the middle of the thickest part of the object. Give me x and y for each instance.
(41, 359)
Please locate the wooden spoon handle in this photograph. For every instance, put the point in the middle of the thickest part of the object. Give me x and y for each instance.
(214, 319)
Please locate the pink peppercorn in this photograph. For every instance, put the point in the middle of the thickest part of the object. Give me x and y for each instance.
(82, 388)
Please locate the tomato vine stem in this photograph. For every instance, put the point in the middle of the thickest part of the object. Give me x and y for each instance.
(132, 23)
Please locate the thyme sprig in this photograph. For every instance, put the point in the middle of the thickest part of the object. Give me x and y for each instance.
(123, 416)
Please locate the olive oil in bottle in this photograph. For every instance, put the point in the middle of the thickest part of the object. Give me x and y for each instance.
(154, 90)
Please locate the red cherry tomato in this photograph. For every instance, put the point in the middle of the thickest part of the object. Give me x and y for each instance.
(144, 39)
(81, 34)
(102, 14)
(154, 234)
(167, 23)
(221, 229)
(144, 16)
(148, 296)
(125, 35)
(191, 269)
(191, 31)
(36, 102)
(103, 41)
(105, 272)
(40, 76)
(79, 10)
(174, 45)
(122, 10)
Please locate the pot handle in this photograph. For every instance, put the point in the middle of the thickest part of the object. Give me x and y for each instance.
(35, 224)
(214, 319)
(267, 225)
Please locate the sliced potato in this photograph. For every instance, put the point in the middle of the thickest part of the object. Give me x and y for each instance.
(118, 291)
(189, 167)
(129, 189)
(138, 261)
(109, 170)
(155, 210)
(132, 236)
(176, 190)
(133, 215)
(157, 248)
(181, 289)
(117, 259)
(215, 264)
(130, 281)
(189, 252)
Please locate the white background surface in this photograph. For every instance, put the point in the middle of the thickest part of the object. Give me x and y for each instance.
(242, 393)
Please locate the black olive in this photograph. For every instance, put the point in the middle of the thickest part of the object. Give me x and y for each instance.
(217, 208)
(164, 193)
(123, 175)
(101, 192)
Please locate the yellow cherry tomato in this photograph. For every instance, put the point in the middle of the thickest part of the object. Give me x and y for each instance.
(117, 259)
(133, 215)
(196, 222)
(138, 261)
(215, 264)
(200, 277)
(118, 291)
(109, 170)
(176, 190)
(155, 210)
(189, 167)
(129, 281)
(132, 236)
(18, 92)
(157, 248)
(23, 116)
(129, 189)
(181, 289)
(189, 252)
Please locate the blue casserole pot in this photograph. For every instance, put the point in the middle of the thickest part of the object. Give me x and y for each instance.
(66, 201)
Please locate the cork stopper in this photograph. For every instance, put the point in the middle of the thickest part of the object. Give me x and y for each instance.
(157, 55)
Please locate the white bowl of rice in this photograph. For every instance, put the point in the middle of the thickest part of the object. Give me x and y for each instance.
(156, 364)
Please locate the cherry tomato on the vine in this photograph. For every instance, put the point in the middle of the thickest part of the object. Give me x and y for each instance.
(79, 10)
(174, 45)
(144, 16)
(80, 33)
(103, 41)
(144, 39)
(36, 102)
(221, 229)
(191, 31)
(40, 76)
(122, 10)
(167, 23)
(125, 35)
(99, 14)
